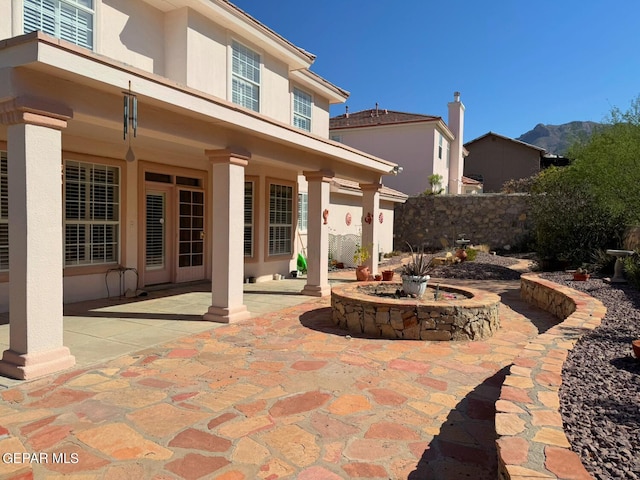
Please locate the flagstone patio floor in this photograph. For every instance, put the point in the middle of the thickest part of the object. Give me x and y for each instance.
(282, 395)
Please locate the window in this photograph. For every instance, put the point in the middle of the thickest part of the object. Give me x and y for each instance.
(245, 77)
(4, 213)
(301, 110)
(336, 138)
(448, 154)
(440, 146)
(280, 219)
(70, 20)
(303, 211)
(249, 194)
(91, 214)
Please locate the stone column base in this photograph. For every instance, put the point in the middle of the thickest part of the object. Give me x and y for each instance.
(32, 365)
(316, 290)
(227, 315)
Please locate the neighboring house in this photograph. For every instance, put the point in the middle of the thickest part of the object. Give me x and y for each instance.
(181, 129)
(422, 145)
(346, 219)
(494, 159)
(471, 186)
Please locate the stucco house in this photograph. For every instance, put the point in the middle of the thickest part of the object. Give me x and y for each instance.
(422, 145)
(165, 137)
(494, 159)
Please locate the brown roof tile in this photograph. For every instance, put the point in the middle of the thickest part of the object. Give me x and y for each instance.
(374, 116)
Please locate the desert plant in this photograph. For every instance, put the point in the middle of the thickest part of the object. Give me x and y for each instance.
(361, 254)
(472, 253)
(420, 265)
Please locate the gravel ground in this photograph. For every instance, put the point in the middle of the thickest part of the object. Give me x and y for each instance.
(600, 393)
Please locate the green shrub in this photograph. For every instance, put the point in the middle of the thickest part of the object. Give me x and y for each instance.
(632, 269)
(587, 206)
(472, 253)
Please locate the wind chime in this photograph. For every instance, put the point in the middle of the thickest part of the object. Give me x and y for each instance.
(130, 119)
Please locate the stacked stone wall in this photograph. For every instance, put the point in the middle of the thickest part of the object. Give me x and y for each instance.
(497, 220)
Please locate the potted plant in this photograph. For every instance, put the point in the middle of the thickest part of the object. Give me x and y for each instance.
(360, 256)
(415, 274)
(635, 344)
(387, 275)
(582, 274)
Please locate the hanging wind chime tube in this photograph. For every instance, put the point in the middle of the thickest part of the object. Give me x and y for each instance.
(130, 120)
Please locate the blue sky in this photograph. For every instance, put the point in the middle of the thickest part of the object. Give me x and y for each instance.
(516, 63)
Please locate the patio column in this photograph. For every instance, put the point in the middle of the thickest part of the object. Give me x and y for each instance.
(318, 234)
(227, 238)
(371, 222)
(35, 239)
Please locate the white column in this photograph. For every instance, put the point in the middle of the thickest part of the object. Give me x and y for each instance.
(371, 222)
(227, 239)
(35, 242)
(318, 234)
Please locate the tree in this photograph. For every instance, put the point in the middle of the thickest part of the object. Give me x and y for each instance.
(588, 205)
(435, 184)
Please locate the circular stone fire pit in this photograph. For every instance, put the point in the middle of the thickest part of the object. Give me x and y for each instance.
(459, 313)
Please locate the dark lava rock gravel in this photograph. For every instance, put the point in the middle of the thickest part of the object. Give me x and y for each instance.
(600, 393)
(484, 267)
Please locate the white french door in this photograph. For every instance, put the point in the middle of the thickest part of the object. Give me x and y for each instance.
(174, 243)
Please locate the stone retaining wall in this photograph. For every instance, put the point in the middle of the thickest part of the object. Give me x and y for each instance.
(471, 318)
(493, 219)
(531, 442)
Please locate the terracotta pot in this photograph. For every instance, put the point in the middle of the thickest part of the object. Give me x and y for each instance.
(581, 277)
(362, 273)
(461, 253)
(387, 275)
(377, 278)
(635, 344)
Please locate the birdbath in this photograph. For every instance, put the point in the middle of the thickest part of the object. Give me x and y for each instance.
(618, 276)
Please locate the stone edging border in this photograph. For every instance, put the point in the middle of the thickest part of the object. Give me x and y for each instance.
(531, 442)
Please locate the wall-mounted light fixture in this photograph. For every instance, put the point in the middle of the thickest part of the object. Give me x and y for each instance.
(396, 170)
(130, 120)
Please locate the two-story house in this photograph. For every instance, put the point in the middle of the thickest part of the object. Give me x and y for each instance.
(423, 145)
(165, 137)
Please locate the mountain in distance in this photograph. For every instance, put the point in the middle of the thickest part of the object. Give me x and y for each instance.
(556, 139)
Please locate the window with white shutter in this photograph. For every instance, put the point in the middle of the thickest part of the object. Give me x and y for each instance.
(91, 214)
(280, 219)
(70, 20)
(245, 77)
(301, 109)
(4, 213)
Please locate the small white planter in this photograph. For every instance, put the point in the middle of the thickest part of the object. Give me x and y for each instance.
(415, 285)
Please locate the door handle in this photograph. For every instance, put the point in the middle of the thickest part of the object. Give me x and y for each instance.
(201, 235)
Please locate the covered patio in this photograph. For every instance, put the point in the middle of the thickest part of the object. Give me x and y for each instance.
(176, 209)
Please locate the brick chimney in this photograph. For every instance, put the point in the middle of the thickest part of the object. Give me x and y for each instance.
(456, 161)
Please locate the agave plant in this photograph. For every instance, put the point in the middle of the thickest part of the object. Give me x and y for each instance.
(419, 265)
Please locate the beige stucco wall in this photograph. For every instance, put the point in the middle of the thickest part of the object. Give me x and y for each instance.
(132, 32)
(185, 47)
(412, 146)
(499, 160)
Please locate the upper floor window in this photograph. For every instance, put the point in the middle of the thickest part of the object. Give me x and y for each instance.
(336, 138)
(245, 77)
(440, 146)
(70, 20)
(301, 109)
